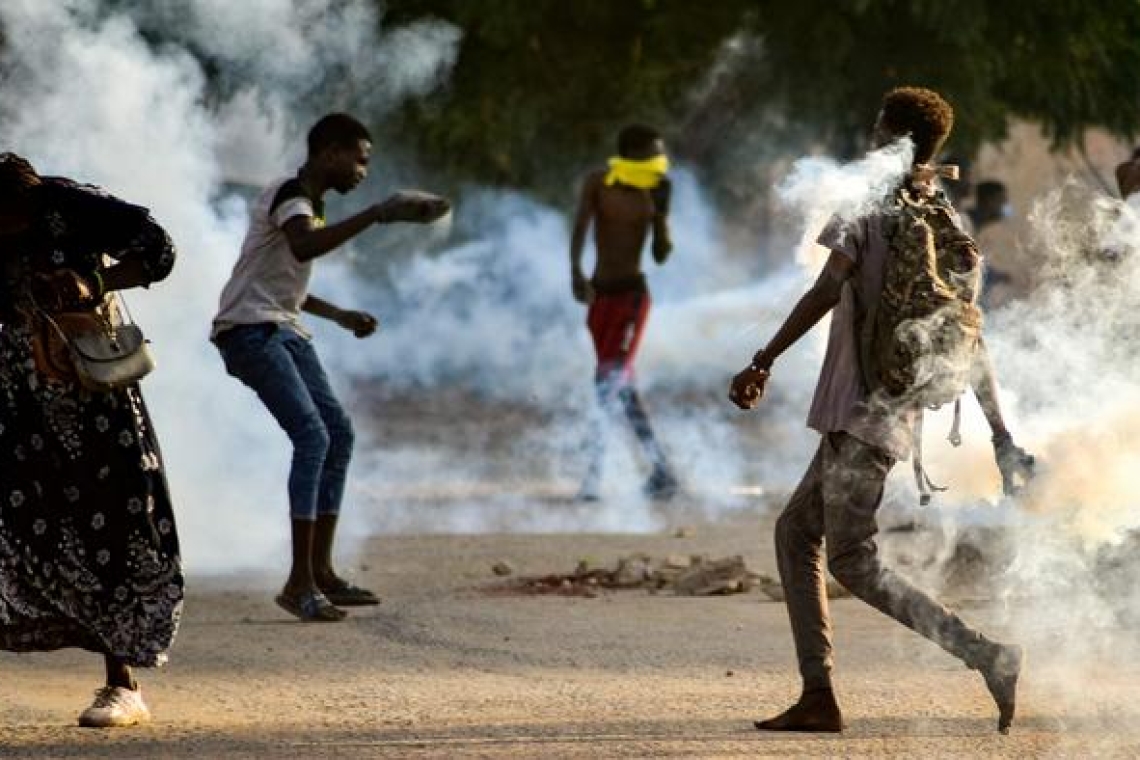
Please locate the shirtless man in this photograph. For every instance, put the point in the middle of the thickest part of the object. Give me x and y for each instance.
(626, 203)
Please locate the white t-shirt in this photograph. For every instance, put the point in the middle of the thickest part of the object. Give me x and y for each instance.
(269, 283)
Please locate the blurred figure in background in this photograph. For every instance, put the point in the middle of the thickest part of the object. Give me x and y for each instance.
(626, 204)
(992, 208)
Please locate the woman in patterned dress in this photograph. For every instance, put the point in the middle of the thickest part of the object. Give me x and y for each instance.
(88, 552)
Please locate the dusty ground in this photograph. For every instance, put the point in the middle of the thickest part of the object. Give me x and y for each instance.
(443, 669)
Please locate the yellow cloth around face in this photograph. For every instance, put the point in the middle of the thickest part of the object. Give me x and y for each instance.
(644, 175)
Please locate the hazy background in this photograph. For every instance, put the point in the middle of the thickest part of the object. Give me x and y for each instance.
(471, 402)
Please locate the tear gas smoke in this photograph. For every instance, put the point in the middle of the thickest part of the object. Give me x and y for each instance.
(493, 314)
(87, 96)
(1065, 359)
(1062, 557)
(818, 187)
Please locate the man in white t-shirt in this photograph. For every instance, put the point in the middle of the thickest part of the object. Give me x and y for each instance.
(263, 343)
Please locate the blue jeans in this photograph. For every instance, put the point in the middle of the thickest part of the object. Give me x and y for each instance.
(283, 369)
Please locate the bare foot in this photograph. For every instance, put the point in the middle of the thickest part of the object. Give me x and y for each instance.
(1001, 675)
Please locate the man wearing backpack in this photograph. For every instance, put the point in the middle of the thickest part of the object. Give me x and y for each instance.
(865, 406)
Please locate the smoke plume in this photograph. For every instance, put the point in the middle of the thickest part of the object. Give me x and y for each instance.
(92, 93)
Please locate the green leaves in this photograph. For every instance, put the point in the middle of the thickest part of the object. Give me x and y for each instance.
(541, 87)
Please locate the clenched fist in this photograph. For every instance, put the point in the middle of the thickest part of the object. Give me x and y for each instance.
(359, 323)
(748, 387)
(581, 288)
(413, 206)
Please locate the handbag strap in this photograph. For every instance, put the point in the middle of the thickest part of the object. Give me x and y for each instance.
(115, 298)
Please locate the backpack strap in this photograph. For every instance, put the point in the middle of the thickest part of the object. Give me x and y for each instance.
(955, 436)
(921, 479)
(865, 329)
(865, 340)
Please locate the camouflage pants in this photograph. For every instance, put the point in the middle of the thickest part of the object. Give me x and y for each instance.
(836, 502)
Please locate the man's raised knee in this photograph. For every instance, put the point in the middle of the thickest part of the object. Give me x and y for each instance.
(855, 570)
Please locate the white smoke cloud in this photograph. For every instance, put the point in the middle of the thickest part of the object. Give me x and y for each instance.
(494, 315)
(326, 48)
(1065, 361)
(86, 95)
(818, 187)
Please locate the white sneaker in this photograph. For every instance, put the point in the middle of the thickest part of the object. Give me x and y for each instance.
(115, 706)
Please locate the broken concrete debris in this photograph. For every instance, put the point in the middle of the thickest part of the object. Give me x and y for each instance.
(684, 575)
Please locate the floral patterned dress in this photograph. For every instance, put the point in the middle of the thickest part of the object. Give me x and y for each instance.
(88, 550)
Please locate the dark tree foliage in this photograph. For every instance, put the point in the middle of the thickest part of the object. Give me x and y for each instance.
(541, 86)
(1065, 63)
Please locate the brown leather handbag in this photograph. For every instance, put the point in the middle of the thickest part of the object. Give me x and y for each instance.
(97, 347)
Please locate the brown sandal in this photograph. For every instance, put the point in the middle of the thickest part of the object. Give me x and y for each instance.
(311, 607)
(344, 594)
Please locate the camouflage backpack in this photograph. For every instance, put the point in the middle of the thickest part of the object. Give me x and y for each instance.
(919, 340)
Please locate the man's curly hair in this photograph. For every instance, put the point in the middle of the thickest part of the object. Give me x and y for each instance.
(921, 113)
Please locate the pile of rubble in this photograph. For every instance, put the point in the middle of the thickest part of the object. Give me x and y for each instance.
(683, 575)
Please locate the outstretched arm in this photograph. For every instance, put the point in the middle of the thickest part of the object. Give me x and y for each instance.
(587, 200)
(985, 388)
(1015, 463)
(308, 241)
(748, 385)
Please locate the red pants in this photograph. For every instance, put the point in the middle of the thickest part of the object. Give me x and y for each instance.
(616, 322)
